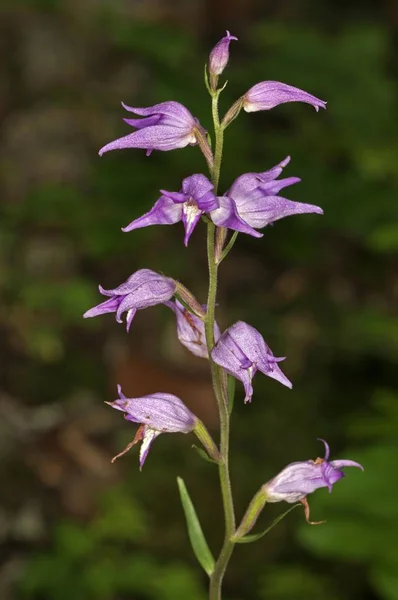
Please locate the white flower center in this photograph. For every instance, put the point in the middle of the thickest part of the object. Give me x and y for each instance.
(191, 210)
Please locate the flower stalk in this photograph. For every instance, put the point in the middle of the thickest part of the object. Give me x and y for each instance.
(221, 564)
(252, 513)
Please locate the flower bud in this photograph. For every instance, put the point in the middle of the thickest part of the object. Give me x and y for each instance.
(219, 58)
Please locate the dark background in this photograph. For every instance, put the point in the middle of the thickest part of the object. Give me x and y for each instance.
(320, 289)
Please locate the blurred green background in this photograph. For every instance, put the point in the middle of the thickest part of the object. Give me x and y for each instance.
(321, 290)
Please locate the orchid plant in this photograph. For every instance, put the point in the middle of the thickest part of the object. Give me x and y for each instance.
(252, 202)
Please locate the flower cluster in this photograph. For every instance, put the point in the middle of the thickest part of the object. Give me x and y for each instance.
(252, 202)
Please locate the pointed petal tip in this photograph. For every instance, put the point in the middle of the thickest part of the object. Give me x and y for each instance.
(341, 463)
(285, 161)
(103, 149)
(231, 37)
(327, 449)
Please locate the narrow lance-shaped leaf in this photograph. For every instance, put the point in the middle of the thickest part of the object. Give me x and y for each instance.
(247, 539)
(204, 454)
(196, 536)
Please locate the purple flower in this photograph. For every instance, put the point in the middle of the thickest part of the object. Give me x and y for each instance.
(242, 351)
(268, 94)
(219, 56)
(156, 413)
(255, 196)
(227, 215)
(299, 479)
(165, 126)
(195, 198)
(191, 329)
(142, 289)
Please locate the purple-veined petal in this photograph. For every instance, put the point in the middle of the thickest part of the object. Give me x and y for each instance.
(252, 345)
(176, 197)
(228, 354)
(341, 463)
(241, 350)
(250, 181)
(271, 188)
(268, 94)
(275, 171)
(294, 482)
(330, 475)
(200, 189)
(156, 283)
(163, 212)
(275, 372)
(164, 412)
(146, 121)
(109, 306)
(227, 216)
(142, 289)
(177, 113)
(263, 210)
(149, 294)
(158, 137)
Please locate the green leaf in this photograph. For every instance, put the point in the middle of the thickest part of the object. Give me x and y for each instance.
(203, 454)
(196, 536)
(247, 539)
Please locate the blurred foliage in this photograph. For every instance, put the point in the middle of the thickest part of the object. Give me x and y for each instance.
(321, 290)
(100, 560)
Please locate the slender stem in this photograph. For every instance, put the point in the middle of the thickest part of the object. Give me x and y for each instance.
(218, 380)
(219, 134)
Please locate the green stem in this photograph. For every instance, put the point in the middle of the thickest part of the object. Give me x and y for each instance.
(217, 378)
(219, 135)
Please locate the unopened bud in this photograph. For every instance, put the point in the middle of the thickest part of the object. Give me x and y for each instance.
(219, 58)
